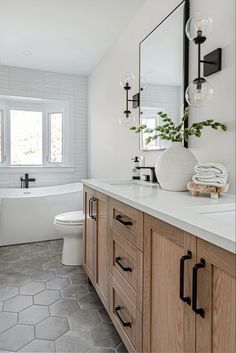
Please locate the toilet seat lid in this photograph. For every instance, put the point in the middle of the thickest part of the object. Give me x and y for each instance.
(76, 217)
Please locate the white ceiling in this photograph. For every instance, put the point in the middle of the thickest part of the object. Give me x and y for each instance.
(68, 36)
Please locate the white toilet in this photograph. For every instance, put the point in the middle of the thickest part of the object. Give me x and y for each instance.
(70, 227)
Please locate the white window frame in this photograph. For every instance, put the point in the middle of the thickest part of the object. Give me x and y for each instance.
(49, 137)
(46, 109)
(2, 115)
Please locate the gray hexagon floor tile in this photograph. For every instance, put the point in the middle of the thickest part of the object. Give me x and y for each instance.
(32, 288)
(52, 328)
(104, 315)
(17, 279)
(64, 308)
(33, 315)
(84, 320)
(121, 348)
(8, 292)
(79, 278)
(58, 283)
(18, 303)
(74, 342)
(43, 276)
(105, 335)
(7, 320)
(66, 271)
(74, 291)
(16, 337)
(47, 297)
(39, 346)
(3, 282)
(91, 302)
(96, 349)
(90, 288)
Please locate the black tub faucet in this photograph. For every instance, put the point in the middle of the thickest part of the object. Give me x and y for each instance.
(24, 182)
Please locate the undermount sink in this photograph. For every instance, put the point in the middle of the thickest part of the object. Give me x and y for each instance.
(224, 212)
(123, 183)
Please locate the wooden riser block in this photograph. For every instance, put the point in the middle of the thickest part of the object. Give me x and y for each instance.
(214, 191)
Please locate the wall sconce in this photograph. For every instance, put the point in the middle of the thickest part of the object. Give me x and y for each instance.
(127, 84)
(199, 92)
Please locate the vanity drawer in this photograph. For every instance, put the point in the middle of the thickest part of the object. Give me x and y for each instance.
(127, 267)
(126, 318)
(127, 221)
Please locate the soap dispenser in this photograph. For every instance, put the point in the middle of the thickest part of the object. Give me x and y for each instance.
(135, 171)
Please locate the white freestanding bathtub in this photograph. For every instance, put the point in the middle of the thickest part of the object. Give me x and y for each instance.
(26, 215)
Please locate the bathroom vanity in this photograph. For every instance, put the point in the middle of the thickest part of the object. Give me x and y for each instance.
(163, 264)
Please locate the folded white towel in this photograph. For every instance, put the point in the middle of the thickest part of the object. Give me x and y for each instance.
(209, 179)
(218, 169)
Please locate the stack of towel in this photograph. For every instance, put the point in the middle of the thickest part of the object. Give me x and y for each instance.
(213, 174)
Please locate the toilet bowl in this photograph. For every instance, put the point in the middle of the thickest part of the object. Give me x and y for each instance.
(70, 227)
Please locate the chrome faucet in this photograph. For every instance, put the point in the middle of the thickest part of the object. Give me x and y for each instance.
(25, 181)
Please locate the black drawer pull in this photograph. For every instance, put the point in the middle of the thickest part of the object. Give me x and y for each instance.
(93, 215)
(123, 221)
(198, 311)
(90, 207)
(181, 287)
(118, 261)
(125, 324)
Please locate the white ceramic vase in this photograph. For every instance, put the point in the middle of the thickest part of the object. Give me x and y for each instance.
(175, 167)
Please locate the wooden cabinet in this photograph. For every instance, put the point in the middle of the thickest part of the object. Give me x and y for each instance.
(205, 321)
(216, 295)
(166, 291)
(168, 323)
(126, 317)
(96, 258)
(126, 266)
(89, 232)
(128, 222)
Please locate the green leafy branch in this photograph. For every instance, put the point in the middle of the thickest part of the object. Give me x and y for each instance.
(169, 131)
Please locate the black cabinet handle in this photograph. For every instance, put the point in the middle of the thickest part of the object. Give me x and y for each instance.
(122, 221)
(90, 207)
(125, 324)
(93, 216)
(118, 261)
(198, 311)
(181, 287)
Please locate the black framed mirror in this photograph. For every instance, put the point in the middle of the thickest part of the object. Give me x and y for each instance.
(163, 73)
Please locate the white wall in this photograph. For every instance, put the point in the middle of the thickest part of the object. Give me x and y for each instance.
(111, 146)
(39, 84)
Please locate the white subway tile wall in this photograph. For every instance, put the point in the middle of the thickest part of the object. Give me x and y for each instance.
(47, 85)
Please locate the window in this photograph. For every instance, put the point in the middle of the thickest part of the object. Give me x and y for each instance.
(33, 133)
(26, 137)
(151, 119)
(56, 137)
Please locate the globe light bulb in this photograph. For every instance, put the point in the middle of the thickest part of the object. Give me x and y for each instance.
(199, 24)
(128, 78)
(128, 121)
(199, 93)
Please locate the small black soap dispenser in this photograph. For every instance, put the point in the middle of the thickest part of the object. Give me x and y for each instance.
(135, 171)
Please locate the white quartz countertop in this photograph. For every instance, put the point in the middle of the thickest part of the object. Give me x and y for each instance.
(208, 219)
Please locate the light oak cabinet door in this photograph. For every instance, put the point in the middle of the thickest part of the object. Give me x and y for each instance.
(101, 249)
(168, 322)
(216, 299)
(89, 233)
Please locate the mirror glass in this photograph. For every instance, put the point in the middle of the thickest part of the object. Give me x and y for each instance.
(162, 75)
